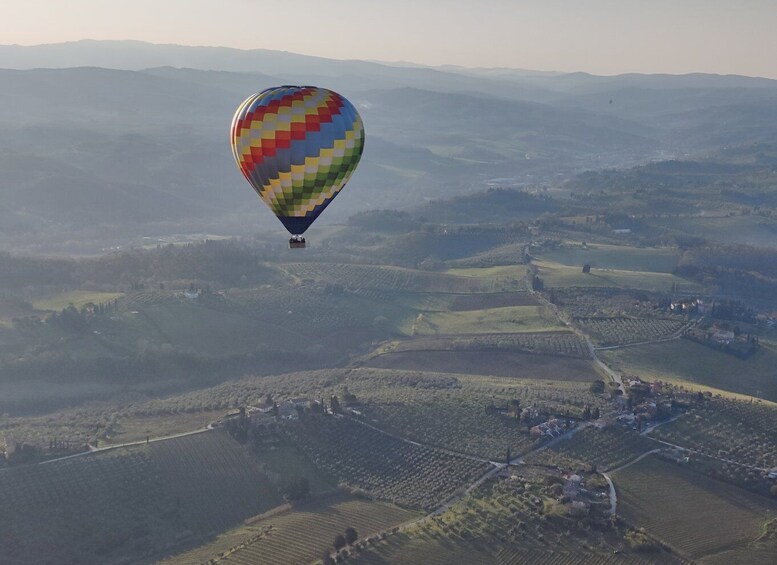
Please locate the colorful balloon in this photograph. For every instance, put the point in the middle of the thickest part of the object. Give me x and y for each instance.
(297, 146)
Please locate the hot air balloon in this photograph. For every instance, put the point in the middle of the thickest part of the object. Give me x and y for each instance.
(297, 146)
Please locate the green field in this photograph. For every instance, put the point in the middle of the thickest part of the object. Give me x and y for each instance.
(383, 277)
(77, 298)
(511, 364)
(689, 362)
(600, 256)
(501, 272)
(491, 320)
(749, 230)
(464, 301)
(565, 343)
(298, 535)
(557, 275)
(691, 513)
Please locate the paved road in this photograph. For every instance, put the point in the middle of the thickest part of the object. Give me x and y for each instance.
(717, 458)
(616, 378)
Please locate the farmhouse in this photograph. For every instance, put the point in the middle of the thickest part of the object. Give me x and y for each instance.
(551, 428)
(288, 411)
(626, 419)
(723, 336)
(578, 508)
(572, 486)
(684, 306)
(704, 306)
(772, 474)
(647, 409)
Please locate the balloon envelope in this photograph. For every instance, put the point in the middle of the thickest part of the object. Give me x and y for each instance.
(297, 146)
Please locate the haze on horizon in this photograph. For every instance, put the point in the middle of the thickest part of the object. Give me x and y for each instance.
(597, 36)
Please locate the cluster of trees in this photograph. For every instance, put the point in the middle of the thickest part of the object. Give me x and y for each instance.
(295, 488)
(349, 537)
(749, 272)
(227, 262)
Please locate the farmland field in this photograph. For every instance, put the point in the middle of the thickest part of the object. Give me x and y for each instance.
(748, 555)
(751, 230)
(503, 272)
(717, 427)
(387, 467)
(600, 256)
(490, 320)
(608, 303)
(138, 501)
(452, 302)
(622, 330)
(692, 513)
(557, 275)
(607, 448)
(357, 276)
(690, 362)
(75, 297)
(496, 362)
(491, 300)
(301, 534)
(449, 411)
(564, 343)
(499, 523)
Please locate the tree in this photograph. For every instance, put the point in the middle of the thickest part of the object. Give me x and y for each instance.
(339, 542)
(327, 559)
(515, 408)
(595, 414)
(350, 535)
(295, 488)
(587, 413)
(597, 387)
(334, 404)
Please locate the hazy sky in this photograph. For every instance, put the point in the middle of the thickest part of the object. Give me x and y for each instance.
(599, 36)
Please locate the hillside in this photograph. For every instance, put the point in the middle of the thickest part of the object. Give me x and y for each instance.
(141, 128)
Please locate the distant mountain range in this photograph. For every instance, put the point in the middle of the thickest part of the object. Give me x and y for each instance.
(126, 135)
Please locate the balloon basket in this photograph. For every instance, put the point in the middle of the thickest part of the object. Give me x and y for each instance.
(297, 242)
